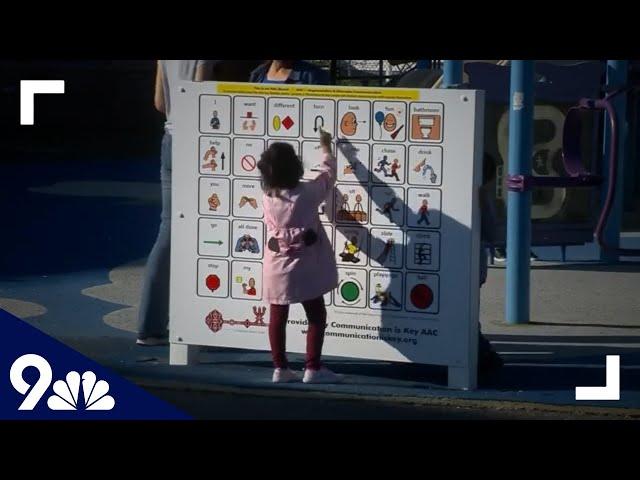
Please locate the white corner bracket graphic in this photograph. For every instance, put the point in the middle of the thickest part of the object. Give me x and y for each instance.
(28, 89)
(611, 391)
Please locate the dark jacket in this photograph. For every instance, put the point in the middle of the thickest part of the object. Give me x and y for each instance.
(303, 73)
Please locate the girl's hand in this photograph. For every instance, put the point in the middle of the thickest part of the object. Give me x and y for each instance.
(325, 139)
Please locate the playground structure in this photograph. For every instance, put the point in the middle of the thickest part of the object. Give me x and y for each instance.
(577, 174)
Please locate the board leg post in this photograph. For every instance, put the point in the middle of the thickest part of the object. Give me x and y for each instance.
(464, 378)
(181, 354)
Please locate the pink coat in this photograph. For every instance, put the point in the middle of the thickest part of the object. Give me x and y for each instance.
(298, 272)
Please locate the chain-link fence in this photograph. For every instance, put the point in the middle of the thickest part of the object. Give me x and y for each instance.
(368, 72)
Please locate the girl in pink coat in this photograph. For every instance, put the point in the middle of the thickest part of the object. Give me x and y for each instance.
(299, 264)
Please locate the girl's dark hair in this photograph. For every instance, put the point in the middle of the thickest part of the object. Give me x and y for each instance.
(280, 168)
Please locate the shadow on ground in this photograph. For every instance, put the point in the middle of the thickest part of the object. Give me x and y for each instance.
(50, 233)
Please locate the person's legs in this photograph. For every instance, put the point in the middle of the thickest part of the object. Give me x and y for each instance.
(278, 315)
(317, 318)
(314, 371)
(488, 359)
(153, 318)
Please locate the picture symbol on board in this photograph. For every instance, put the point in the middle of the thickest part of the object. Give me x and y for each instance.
(382, 166)
(214, 202)
(423, 212)
(288, 122)
(210, 159)
(379, 118)
(388, 252)
(246, 243)
(349, 124)
(383, 297)
(395, 134)
(388, 208)
(248, 163)
(249, 122)
(351, 251)
(356, 215)
(421, 296)
(318, 123)
(350, 168)
(350, 291)
(423, 167)
(422, 254)
(214, 242)
(389, 123)
(252, 287)
(215, 121)
(395, 166)
(248, 201)
(213, 282)
(425, 127)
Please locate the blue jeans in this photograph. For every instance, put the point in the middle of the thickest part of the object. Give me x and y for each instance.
(484, 264)
(153, 318)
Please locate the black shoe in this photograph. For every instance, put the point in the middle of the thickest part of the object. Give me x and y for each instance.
(499, 254)
(153, 341)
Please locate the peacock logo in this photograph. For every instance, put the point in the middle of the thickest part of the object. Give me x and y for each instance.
(94, 393)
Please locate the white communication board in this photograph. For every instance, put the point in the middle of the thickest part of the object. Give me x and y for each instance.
(403, 218)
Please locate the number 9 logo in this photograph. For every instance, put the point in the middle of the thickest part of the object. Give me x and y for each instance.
(39, 388)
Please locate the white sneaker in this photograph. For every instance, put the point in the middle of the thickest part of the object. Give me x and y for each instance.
(152, 341)
(324, 375)
(285, 375)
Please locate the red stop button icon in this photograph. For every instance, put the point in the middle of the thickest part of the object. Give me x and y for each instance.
(213, 282)
(421, 296)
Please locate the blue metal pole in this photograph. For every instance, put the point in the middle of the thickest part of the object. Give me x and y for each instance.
(519, 203)
(616, 77)
(452, 73)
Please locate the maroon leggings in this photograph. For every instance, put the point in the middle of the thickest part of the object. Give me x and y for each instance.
(317, 321)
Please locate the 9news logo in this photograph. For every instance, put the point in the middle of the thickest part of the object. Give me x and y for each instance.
(66, 393)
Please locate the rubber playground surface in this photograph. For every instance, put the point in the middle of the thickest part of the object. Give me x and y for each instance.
(78, 233)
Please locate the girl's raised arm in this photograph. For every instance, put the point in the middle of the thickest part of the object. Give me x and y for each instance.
(323, 183)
